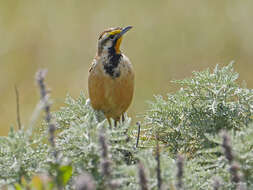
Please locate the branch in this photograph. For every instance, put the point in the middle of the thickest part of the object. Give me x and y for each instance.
(158, 169)
(17, 107)
(138, 135)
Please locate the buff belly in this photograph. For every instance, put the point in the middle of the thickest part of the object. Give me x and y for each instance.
(111, 95)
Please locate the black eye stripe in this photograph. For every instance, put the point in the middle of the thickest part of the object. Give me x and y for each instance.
(111, 37)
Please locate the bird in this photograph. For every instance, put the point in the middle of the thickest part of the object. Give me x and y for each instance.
(111, 76)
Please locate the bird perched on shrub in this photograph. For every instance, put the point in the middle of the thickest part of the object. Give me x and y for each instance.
(111, 76)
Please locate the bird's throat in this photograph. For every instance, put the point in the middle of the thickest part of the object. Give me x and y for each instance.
(117, 45)
(112, 64)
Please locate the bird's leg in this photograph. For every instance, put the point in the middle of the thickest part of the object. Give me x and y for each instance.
(123, 118)
(115, 123)
(110, 123)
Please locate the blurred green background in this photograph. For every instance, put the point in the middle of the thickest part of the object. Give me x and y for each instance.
(170, 39)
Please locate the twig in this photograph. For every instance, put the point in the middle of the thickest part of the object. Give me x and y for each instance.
(138, 135)
(17, 107)
(142, 178)
(40, 77)
(180, 171)
(158, 169)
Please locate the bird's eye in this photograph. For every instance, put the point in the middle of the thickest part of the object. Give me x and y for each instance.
(111, 36)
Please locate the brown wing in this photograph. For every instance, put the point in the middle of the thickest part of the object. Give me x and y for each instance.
(93, 64)
(95, 86)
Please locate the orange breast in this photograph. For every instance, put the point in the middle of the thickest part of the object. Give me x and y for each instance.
(111, 95)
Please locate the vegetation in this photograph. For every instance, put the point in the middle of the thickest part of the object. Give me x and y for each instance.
(206, 104)
(201, 137)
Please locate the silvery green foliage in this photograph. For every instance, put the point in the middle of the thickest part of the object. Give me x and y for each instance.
(24, 154)
(206, 103)
(242, 148)
(19, 157)
(201, 171)
(210, 163)
(77, 140)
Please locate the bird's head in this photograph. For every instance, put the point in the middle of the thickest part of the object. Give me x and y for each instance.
(109, 41)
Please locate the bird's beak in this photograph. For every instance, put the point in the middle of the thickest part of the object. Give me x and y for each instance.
(123, 31)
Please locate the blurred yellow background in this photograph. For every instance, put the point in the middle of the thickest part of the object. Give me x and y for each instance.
(170, 39)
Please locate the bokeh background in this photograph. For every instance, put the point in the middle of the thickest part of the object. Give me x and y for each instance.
(170, 39)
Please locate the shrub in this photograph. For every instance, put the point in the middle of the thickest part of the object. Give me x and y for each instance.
(205, 104)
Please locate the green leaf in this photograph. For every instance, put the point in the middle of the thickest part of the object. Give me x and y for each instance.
(18, 186)
(64, 174)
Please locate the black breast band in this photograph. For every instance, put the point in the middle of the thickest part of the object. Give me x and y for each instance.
(113, 62)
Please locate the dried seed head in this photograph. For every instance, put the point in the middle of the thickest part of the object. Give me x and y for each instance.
(180, 171)
(227, 147)
(234, 172)
(44, 97)
(142, 177)
(103, 145)
(84, 182)
(216, 183)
